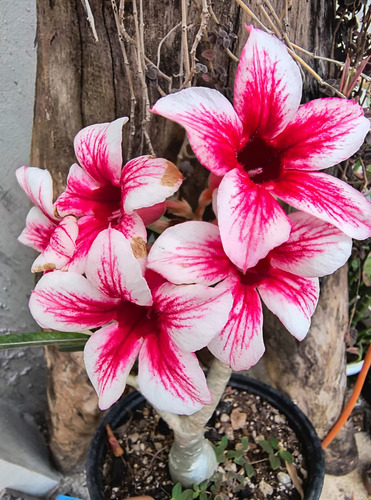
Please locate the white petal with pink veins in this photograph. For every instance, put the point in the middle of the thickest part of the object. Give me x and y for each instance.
(113, 269)
(251, 221)
(99, 150)
(68, 302)
(291, 298)
(61, 247)
(38, 230)
(240, 345)
(192, 314)
(327, 198)
(191, 252)
(89, 228)
(324, 132)
(268, 85)
(315, 248)
(109, 355)
(38, 185)
(171, 379)
(213, 127)
(146, 181)
(80, 195)
(134, 230)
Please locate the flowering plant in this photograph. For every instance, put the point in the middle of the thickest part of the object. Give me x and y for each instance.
(201, 283)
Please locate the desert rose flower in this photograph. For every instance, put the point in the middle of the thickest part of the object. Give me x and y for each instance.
(101, 192)
(286, 280)
(266, 145)
(50, 235)
(159, 323)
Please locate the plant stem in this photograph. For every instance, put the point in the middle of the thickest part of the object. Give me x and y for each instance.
(192, 458)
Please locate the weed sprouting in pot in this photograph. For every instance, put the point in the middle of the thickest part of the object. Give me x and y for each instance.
(231, 480)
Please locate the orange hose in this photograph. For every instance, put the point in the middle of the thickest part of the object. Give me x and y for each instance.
(352, 401)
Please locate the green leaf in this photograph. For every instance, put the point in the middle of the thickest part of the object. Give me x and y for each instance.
(366, 273)
(176, 492)
(71, 348)
(249, 469)
(203, 495)
(239, 461)
(36, 339)
(187, 495)
(203, 485)
(231, 453)
(224, 442)
(286, 456)
(274, 443)
(245, 443)
(266, 446)
(274, 461)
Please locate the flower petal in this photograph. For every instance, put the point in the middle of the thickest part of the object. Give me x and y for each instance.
(146, 181)
(89, 228)
(86, 196)
(251, 221)
(38, 231)
(324, 132)
(113, 269)
(315, 248)
(98, 149)
(109, 355)
(213, 127)
(268, 86)
(192, 314)
(240, 345)
(327, 198)
(151, 214)
(171, 379)
(61, 247)
(133, 228)
(291, 298)
(38, 186)
(191, 252)
(66, 301)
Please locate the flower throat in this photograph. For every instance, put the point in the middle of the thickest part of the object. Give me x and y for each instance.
(260, 160)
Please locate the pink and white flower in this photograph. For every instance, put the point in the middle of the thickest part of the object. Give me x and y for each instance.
(266, 145)
(101, 192)
(286, 280)
(50, 235)
(160, 323)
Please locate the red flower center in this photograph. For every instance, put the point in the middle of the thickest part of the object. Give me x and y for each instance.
(261, 160)
(109, 198)
(257, 274)
(135, 319)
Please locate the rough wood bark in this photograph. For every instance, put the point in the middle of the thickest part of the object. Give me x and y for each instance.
(312, 372)
(81, 81)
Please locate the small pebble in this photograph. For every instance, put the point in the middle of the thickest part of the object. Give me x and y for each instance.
(265, 488)
(279, 419)
(283, 478)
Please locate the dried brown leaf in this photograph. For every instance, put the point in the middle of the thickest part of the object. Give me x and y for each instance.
(296, 481)
(238, 419)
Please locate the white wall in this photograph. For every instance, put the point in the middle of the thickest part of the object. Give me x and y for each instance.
(21, 372)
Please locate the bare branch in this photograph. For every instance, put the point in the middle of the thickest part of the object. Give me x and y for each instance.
(90, 18)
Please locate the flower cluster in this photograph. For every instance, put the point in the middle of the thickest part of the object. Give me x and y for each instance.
(202, 283)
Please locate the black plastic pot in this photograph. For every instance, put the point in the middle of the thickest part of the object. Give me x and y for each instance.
(302, 427)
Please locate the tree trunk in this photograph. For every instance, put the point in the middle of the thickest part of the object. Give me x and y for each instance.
(312, 372)
(81, 81)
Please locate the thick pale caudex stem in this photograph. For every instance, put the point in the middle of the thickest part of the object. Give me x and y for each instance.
(192, 458)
